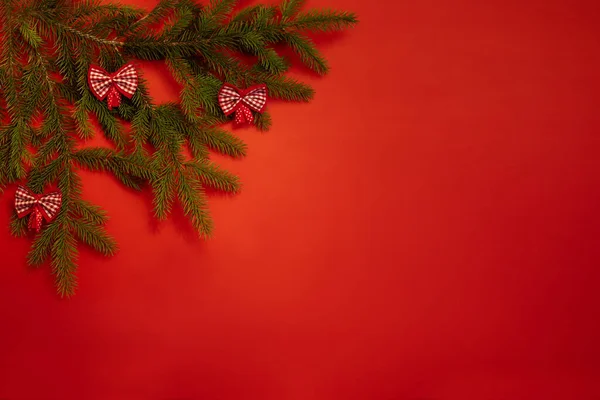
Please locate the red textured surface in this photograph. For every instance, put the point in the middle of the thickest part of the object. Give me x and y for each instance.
(433, 238)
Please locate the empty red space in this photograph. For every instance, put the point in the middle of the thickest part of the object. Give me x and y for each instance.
(426, 229)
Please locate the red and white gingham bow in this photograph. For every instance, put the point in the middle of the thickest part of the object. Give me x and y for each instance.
(232, 99)
(38, 205)
(123, 82)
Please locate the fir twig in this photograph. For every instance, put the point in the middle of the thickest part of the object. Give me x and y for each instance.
(46, 50)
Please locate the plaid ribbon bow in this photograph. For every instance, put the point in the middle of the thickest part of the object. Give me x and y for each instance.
(123, 82)
(38, 205)
(232, 99)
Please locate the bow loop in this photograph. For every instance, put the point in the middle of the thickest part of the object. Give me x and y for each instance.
(39, 206)
(241, 102)
(123, 82)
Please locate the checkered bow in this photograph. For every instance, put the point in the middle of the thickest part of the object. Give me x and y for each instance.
(123, 82)
(232, 99)
(39, 206)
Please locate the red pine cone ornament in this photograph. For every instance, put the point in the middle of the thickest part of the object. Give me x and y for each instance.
(38, 206)
(232, 99)
(123, 82)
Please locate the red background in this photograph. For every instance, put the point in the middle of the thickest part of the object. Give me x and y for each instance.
(426, 229)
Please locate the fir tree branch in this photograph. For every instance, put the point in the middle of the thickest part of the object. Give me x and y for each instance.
(94, 236)
(263, 121)
(89, 212)
(84, 36)
(159, 12)
(308, 53)
(212, 176)
(64, 256)
(47, 48)
(324, 20)
(219, 9)
(163, 187)
(18, 226)
(41, 176)
(192, 199)
(131, 171)
(42, 244)
(290, 8)
(222, 141)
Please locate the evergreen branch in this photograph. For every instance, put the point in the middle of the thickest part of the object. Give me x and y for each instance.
(219, 9)
(82, 63)
(30, 87)
(191, 92)
(129, 170)
(16, 151)
(153, 49)
(9, 68)
(192, 199)
(43, 175)
(263, 121)
(308, 52)
(180, 21)
(18, 226)
(111, 126)
(92, 11)
(29, 34)
(245, 14)
(64, 259)
(94, 236)
(285, 88)
(42, 244)
(222, 65)
(87, 36)
(223, 142)
(203, 46)
(208, 90)
(212, 176)
(163, 187)
(141, 124)
(69, 185)
(265, 18)
(289, 8)
(89, 212)
(197, 147)
(324, 20)
(84, 128)
(272, 62)
(160, 11)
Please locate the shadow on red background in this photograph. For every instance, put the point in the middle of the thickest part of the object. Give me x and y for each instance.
(426, 229)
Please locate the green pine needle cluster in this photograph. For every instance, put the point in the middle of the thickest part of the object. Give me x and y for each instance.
(47, 111)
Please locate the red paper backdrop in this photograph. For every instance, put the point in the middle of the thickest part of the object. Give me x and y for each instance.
(427, 228)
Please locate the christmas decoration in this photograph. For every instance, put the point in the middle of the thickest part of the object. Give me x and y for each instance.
(103, 84)
(233, 100)
(54, 55)
(37, 206)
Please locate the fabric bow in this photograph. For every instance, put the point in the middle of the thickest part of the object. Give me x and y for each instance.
(123, 82)
(38, 206)
(232, 99)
